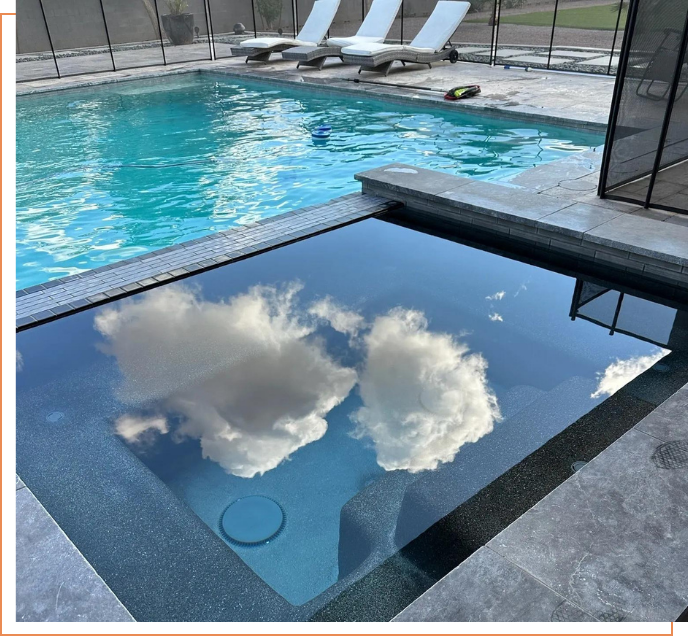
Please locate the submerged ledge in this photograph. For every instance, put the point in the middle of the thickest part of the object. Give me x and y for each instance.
(63, 296)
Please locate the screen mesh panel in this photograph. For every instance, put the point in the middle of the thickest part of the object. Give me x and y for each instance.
(653, 52)
(34, 54)
(231, 22)
(79, 36)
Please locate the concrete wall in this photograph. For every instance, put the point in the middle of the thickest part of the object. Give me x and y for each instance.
(79, 23)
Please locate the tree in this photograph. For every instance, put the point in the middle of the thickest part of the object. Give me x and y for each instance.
(270, 11)
(153, 17)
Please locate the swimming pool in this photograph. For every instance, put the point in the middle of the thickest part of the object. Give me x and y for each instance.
(115, 171)
(368, 398)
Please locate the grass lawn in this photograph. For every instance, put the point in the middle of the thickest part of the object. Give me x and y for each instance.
(600, 17)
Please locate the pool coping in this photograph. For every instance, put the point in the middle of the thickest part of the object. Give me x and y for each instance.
(52, 300)
(616, 236)
(408, 95)
(53, 569)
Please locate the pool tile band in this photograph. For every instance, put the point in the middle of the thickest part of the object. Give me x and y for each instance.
(642, 248)
(57, 298)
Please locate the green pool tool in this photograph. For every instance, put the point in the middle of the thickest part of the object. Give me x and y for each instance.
(462, 92)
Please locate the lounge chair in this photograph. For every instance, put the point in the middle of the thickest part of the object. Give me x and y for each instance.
(427, 47)
(312, 33)
(374, 29)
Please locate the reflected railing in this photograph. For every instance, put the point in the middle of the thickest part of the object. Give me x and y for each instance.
(74, 37)
(630, 315)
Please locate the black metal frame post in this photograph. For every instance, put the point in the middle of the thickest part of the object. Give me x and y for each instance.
(667, 115)
(616, 313)
(107, 35)
(293, 16)
(616, 33)
(296, 18)
(493, 46)
(50, 39)
(162, 46)
(401, 37)
(551, 38)
(498, 19)
(208, 28)
(253, 13)
(616, 99)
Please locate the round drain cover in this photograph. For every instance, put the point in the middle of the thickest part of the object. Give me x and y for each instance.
(55, 416)
(252, 520)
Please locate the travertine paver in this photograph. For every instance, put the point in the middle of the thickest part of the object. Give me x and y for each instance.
(574, 100)
(477, 591)
(610, 540)
(54, 581)
(541, 207)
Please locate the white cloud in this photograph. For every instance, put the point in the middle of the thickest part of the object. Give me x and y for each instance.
(621, 372)
(243, 375)
(522, 287)
(495, 317)
(424, 394)
(497, 296)
(340, 319)
(140, 430)
(249, 378)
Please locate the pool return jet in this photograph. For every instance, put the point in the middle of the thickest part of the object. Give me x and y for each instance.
(313, 31)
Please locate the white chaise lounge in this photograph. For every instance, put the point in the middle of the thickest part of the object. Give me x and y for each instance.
(427, 47)
(313, 31)
(374, 28)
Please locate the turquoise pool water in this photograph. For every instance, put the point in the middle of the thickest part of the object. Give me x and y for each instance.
(116, 171)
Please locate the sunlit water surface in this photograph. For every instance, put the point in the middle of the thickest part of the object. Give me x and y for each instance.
(116, 171)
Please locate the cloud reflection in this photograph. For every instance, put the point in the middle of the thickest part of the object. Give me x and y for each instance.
(620, 372)
(251, 379)
(424, 394)
(243, 375)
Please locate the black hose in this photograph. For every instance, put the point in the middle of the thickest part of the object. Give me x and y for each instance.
(412, 88)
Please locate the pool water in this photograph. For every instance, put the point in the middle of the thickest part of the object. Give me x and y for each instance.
(115, 171)
(349, 391)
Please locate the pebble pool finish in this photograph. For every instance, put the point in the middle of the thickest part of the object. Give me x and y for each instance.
(110, 172)
(349, 391)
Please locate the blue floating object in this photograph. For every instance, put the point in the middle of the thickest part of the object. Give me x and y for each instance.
(321, 132)
(252, 520)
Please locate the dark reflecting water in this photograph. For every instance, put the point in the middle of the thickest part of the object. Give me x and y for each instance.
(337, 376)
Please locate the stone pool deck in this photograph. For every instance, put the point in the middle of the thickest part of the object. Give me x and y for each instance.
(609, 544)
(553, 209)
(579, 101)
(54, 581)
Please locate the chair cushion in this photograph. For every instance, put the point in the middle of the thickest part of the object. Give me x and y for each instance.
(269, 43)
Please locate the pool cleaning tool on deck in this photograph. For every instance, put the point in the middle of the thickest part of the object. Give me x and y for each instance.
(252, 520)
(462, 92)
(321, 132)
